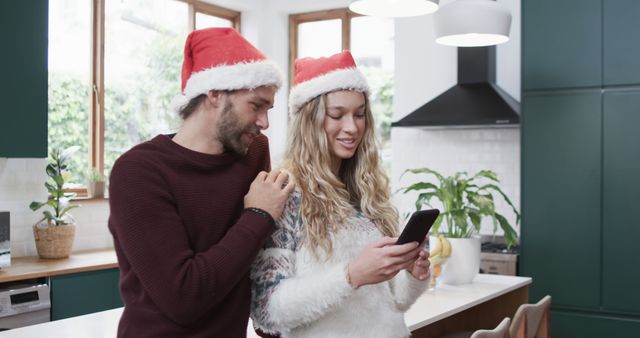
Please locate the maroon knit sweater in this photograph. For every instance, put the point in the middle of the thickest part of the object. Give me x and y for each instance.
(184, 245)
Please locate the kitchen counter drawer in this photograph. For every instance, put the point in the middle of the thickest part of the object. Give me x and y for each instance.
(83, 293)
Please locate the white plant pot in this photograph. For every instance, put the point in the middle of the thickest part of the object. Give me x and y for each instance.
(463, 264)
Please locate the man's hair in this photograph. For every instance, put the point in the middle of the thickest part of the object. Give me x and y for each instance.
(191, 106)
(329, 200)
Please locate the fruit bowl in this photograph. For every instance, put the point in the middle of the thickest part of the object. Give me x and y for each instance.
(438, 256)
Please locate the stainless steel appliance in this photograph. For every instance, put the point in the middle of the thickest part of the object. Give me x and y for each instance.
(496, 259)
(23, 304)
(5, 239)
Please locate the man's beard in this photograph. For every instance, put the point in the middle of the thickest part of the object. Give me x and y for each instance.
(230, 130)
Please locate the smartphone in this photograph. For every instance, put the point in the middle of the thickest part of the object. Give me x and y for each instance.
(418, 226)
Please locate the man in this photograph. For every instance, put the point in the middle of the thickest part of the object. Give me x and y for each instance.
(190, 211)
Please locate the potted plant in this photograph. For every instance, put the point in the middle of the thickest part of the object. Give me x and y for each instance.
(95, 183)
(54, 238)
(465, 200)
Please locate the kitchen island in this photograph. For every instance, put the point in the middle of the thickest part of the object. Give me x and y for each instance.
(481, 304)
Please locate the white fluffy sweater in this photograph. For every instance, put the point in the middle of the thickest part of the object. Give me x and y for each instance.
(296, 295)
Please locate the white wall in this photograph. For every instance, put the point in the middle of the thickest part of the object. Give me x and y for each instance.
(21, 182)
(424, 70)
(267, 29)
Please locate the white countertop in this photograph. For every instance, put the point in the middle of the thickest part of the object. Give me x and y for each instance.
(97, 325)
(447, 300)
(444, 301)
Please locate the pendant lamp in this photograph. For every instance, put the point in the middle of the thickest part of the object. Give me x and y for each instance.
(394, 8)
(472, 23)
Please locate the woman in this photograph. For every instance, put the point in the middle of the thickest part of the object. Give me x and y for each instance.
(331, 268)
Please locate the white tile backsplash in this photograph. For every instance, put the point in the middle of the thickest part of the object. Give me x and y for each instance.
(450, 150)
(21, 182)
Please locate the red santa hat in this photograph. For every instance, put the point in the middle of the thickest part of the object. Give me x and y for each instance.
(317, 76)
(221, 59)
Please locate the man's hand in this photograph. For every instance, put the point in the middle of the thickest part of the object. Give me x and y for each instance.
(269, 192)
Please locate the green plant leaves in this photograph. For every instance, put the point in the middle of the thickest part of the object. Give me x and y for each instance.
(424, 198)
(464, 201)
(59, 198)
(53, 203)
(36, 205)
(94, 175)
(51, 170)
(59, 180)
(420, 186)
(423, 171)
(47, 214)
(50, 187)
(496, 189)
(64, 156)
(475, 216)
(510, 234)
(64, 211)
(487, 174)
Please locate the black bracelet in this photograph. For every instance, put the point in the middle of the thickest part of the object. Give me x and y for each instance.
(262, 213)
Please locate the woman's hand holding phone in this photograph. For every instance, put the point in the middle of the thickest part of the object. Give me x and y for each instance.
(382, 260)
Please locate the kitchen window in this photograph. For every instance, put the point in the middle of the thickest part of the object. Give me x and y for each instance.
(114, 67)
(371, 42)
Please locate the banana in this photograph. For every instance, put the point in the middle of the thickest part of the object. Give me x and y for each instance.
(437, 269)
(436, 260)
(446, 246)
(436, 250)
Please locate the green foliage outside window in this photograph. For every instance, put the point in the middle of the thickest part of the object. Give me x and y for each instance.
(135, 111)
(139, 108)
(69, 119)
(381, 84)
(381, 97)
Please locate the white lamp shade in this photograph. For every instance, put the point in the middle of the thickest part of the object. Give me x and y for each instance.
(394, 8)
(472, 23)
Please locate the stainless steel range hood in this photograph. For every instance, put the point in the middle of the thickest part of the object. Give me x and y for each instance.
(476, 101)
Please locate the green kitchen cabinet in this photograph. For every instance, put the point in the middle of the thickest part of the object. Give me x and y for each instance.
(580, 163)
(562, 43)
(23, 89)
(83, 293)
(621, 188)
(567, 324)
(561, 181)
(621, 50)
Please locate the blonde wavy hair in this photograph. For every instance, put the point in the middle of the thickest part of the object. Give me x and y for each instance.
(328, 200)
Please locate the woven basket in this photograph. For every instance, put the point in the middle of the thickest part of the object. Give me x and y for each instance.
(54, 241)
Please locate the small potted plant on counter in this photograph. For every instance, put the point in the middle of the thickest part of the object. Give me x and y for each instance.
(465, 200)
(55, 232)
(95, 183)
